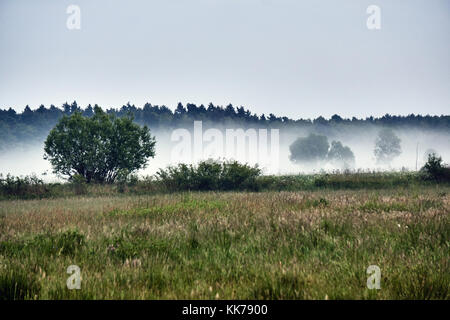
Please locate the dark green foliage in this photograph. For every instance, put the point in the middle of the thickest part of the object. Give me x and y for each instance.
(435, 169)
(206, 176)
(421, 284)
(428, 152)
(310, 149)
(129, 245)
(210, 175)
(23, 187)
(33, 125)
(65, 243)
(175, 178)
(232, 176)
(366, 180)
(236, 176)
(68, 242)
(98, 147)
(18, 284)
(124, 248)
(286, 183)
(79, 184)
(355, 180)
(387, 146)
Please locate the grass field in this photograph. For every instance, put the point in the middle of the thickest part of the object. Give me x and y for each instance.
(268, 245)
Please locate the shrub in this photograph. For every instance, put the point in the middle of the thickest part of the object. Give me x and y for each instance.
(23, 187)
(206, 176)
(209, 175)
(435, 169)
(239, 176)
(175, 177)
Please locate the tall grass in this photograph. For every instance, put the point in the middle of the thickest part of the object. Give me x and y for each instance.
(213, 177)
(313, 244)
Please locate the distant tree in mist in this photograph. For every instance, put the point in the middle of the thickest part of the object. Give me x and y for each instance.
(310, 149)
(99, 147)
(315, 149)
(387, 146)
(341, 155)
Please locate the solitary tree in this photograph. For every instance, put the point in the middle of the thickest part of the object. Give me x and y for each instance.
(310, 149)
(99, 147)
(341, 155)
(387, 146)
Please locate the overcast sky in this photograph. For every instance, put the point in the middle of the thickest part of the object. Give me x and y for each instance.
(296, 58)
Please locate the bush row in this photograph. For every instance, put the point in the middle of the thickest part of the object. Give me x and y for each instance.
(209, 175)
(222, 176)
(23, 187)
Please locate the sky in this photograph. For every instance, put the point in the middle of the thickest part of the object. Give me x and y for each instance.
(300, 59)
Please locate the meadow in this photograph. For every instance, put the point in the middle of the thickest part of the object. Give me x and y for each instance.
(310, 243)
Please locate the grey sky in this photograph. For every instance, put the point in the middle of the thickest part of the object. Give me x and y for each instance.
(288, 57)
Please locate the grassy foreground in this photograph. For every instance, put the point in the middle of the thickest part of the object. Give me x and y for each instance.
(269, 245)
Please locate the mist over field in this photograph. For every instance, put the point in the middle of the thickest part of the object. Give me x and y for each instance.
(237, 152)
(26, 159)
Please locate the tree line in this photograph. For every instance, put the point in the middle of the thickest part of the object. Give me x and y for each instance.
(34, 125)
(105, 148)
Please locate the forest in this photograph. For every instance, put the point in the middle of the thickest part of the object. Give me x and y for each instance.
(32, 126)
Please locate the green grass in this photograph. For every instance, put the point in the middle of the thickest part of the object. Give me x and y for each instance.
(223, 245)
(186, 205)
(30, 189)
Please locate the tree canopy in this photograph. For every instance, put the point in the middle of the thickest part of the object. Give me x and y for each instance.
(387, 146)
(341, 155)
(310, 149)
(98, 147)
(315, 148)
